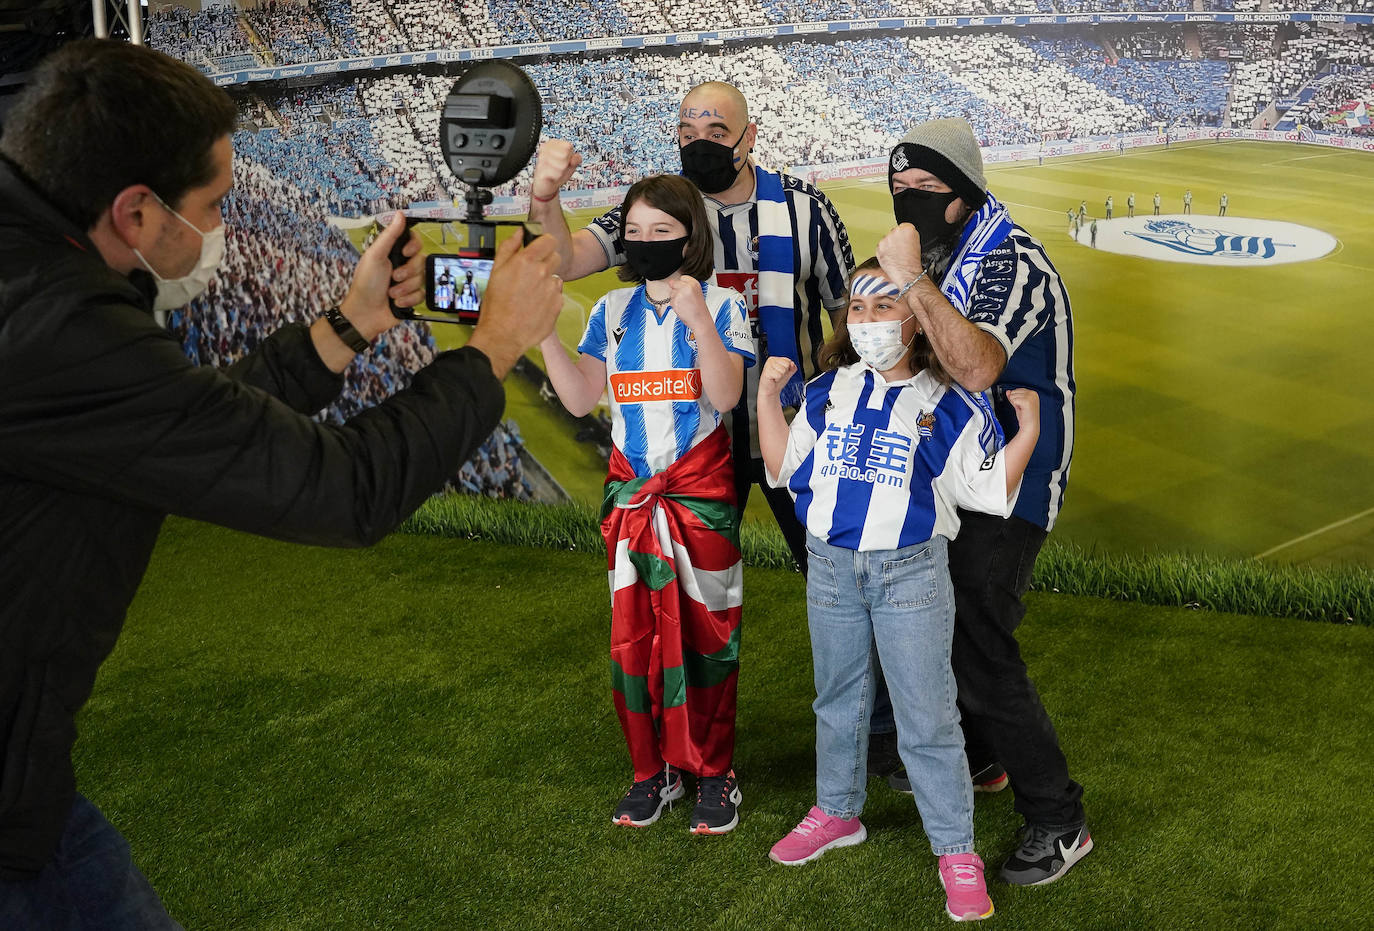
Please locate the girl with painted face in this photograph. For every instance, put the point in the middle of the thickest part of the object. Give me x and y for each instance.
(882, 452)
(671, 353)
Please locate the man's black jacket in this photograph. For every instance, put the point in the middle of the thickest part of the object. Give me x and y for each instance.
(105, 428)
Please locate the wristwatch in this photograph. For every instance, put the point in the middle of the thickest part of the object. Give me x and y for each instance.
(347, 332)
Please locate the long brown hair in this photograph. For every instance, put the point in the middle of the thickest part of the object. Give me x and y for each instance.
(838, 350)
(680, 199)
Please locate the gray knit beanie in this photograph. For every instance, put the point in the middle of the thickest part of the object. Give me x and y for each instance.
(948, 150)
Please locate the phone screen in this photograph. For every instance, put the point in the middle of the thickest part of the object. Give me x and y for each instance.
(455, 284)
(459, 266)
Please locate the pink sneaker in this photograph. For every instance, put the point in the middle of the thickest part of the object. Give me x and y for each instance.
(817, 833)
(966, 894)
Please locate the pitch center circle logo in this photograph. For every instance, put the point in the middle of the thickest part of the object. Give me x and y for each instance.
(1203, 240)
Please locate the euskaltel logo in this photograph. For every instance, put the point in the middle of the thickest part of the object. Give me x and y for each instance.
(672, 385)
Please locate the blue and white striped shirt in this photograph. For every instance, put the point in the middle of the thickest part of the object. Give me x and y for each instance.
(821, 262)
(877, 465)
(1018, 297)
(659, 409)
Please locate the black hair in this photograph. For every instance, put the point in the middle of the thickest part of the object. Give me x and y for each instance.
(100, 115)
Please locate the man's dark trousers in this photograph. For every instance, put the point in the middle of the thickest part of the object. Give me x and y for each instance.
(990, 563)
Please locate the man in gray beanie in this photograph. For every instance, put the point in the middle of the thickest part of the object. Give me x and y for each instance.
(997, 315)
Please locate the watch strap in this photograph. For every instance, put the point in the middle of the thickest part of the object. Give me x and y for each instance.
(346, 331)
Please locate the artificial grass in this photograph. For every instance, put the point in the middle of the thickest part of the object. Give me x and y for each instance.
(420, 735)
(1341, 594)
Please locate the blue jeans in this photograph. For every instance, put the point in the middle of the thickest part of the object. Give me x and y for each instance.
(897, 606)
(90, 884)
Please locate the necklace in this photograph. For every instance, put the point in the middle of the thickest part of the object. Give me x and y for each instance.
(662, 303)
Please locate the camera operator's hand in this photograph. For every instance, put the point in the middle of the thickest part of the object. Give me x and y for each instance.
(555, 166)
(366, 306)
(374, 280)
(521, 303)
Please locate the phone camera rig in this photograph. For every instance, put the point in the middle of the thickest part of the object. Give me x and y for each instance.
(488, 131)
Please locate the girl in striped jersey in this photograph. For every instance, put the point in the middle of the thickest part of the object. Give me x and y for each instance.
(672, 351)
(878, 458)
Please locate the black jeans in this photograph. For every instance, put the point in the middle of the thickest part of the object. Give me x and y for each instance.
(990, 563)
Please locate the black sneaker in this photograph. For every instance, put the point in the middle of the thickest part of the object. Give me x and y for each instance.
(1045, 854)
(717, 801)
(883, 758)
(644, 802)
(991, 778)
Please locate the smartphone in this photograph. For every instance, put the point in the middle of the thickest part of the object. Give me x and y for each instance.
(454, 283)
(456, 280)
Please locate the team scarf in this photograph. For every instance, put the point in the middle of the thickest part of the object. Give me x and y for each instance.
(672, 545)
(987, 229)
(777, 281)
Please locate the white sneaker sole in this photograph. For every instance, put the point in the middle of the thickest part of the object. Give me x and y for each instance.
(849, 840)
(705, 830)
(666, 796)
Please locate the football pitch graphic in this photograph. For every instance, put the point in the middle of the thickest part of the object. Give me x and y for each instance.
(1223, 402)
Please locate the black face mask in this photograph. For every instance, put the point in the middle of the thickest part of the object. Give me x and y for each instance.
(654, 261)
(925, 210)
(710, 165)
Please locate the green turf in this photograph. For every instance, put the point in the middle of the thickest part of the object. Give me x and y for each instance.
(1220, 411)
(1338, 594)
(419, 736)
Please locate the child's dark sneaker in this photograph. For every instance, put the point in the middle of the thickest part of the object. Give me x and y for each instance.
(642, 805)
(718, 798)
(1045, 854)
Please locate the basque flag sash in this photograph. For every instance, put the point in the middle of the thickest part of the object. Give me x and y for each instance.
(672, 545)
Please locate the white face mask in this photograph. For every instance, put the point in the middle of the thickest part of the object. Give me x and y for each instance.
(178, 292)
(879, 343)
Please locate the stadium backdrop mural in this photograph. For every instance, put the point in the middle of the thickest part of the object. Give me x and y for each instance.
(1201, 178)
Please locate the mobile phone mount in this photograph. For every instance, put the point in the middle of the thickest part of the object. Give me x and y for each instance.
(488, 131)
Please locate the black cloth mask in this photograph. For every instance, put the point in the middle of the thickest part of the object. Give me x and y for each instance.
(654, 261)
(925, 210)
(710, 165)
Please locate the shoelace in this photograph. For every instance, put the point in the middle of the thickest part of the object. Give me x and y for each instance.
(808, 824)
(706, 787)
(1039, 842)
(965, 874)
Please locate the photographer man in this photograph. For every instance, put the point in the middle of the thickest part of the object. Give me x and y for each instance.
(115, 162)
